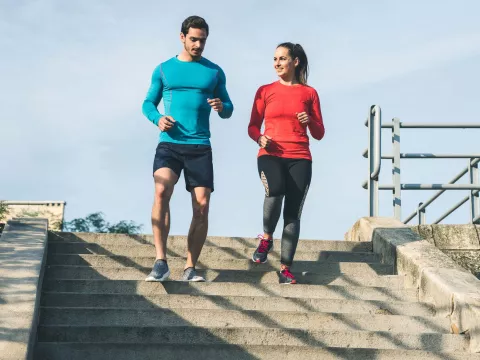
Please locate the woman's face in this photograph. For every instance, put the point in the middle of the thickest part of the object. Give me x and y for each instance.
(283, 63)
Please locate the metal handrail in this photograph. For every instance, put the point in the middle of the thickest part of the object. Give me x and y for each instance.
(434, 126)
(427, 156)
(442, 187)
(431, 125)
(374, 123)
(373, 153)
(435, 196)
(451, 210)
(377, 123)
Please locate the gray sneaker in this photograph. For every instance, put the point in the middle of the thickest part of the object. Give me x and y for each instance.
(160, 271)
(190, 274)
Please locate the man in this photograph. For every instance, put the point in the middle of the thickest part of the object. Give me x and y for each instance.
(190, 86)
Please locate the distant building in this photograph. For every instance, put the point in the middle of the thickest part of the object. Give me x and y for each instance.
(51, 210)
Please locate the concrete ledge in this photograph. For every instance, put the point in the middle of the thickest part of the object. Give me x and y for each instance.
(451, 237)
(22, 255)
(453, 291)
(459, 242)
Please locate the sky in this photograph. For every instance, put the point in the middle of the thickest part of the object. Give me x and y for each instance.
(74, 74)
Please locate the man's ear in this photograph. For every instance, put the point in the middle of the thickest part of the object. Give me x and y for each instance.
(182, 37)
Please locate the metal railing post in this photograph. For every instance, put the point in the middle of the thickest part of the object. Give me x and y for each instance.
(473, 196)
(374, 156)
(476, 172)
(397, 195)
(422, 216)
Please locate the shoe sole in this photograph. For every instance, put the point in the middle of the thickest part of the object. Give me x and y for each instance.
(258, 261)
(196, 279)
(288, 283)
(163, 278)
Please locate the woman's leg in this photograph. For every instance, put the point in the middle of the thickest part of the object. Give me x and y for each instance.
(297, 184)
(273, 178)
(272, 174)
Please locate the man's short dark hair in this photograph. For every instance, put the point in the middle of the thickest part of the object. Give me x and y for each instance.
(195, 22)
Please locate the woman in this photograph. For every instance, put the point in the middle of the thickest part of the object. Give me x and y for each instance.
(289, 107)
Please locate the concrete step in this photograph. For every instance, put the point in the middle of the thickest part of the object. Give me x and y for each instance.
(213, 263)
(319, 277)
(269, 275)
(97, 351)
(221, 241)
(132, 287)
(253, 336)
(240, 303)
(208, 252)
(60, 316)
(323, 256)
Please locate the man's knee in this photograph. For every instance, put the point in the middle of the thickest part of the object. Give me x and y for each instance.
(163, 192)
(200, 209)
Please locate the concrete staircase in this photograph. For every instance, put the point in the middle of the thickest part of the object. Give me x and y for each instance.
(95, 304)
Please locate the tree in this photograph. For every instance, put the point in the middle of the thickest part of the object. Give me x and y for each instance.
(96, 222)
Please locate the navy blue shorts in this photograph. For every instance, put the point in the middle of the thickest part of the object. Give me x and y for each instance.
(196, 160)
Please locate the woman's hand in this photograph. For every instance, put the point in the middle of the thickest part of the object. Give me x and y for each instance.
(303, 118)
(263, 141)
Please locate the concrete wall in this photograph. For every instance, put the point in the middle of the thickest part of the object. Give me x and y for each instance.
(51, 210)
(440, 281)
(22, 256)
(459, 242)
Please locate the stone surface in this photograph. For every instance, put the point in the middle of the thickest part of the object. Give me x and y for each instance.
(386, 241)
(22, 253)
(242, 312)
(454, 237)
(416, 256)
(123, 301)
(459, 242)
(468, 259)
(425, 231)
(441, 281)
(178, 242)
(363, 229)
(99, 351)
(448, 343)
(53, 211)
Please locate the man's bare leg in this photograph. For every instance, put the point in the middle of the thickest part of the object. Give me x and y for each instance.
(199, 226)
(165, 180)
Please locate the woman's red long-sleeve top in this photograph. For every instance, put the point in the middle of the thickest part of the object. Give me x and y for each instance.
(278, 105)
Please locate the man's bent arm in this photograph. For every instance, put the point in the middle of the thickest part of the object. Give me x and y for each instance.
(154, 95)
(222, 94)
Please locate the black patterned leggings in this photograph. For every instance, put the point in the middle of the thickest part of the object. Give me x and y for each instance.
(289, 178)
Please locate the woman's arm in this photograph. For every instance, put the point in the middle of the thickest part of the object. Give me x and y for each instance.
(317, 129)
(257, 116)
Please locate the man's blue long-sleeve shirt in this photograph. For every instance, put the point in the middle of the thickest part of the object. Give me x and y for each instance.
(185, 88)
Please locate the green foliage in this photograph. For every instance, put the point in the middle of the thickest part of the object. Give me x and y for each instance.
(96, 222)
(29, 213)
(3, 210)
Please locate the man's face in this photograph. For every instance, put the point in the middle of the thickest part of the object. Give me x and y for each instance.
(194, 41)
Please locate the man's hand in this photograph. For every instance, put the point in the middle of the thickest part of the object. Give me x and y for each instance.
(303, 118)
(216, 104)
(264, 141)
(166, 123)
